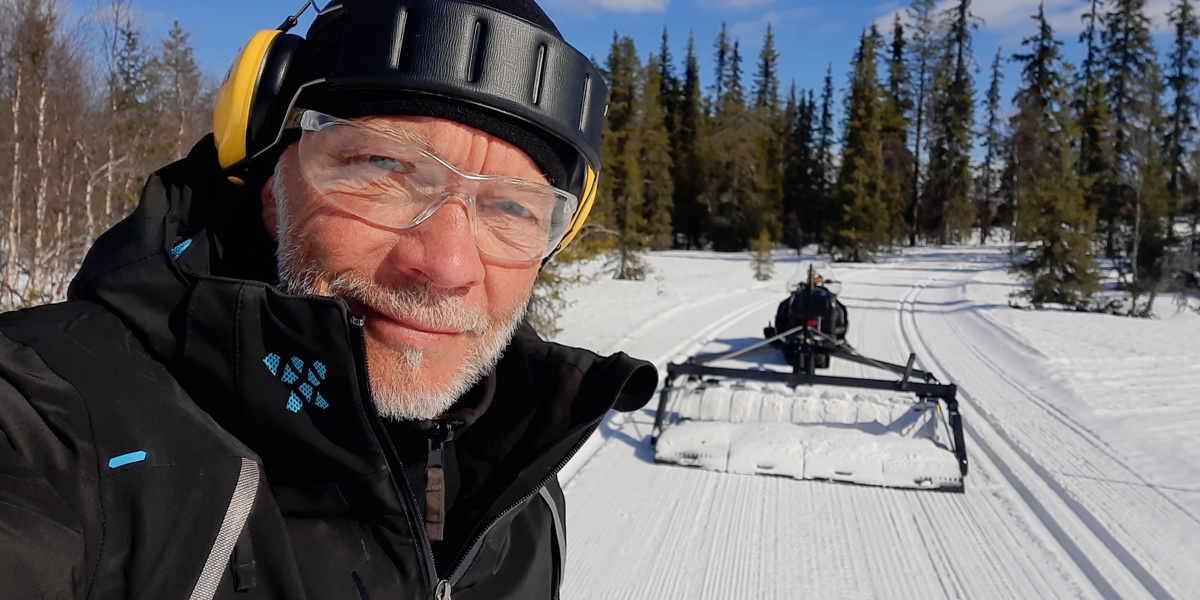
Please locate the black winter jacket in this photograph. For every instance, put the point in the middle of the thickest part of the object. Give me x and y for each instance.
(182, 429)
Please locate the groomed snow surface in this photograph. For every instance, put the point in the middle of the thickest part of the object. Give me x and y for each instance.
(1082, 431)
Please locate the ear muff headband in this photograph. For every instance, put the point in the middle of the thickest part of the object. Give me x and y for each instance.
(231, 116)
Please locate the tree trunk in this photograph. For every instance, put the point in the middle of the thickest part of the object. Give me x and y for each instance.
(58, 271)
(1012, 238)
(108, 189)
(89, 219)
(12, 264)
(181, 141)
(35, 288)
(914, 202)
(1195, 234)
(1137, 236)
(63, 249)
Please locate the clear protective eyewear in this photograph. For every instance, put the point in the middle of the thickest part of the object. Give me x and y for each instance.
(385, 178)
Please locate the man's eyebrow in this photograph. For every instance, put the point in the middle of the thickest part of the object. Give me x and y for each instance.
(406, 135)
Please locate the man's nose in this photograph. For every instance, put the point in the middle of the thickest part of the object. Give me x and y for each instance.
(442, 247)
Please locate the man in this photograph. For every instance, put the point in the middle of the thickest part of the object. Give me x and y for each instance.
(299, 369)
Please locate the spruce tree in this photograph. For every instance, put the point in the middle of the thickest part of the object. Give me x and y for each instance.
(721, 51)
(949, 212)
(734, 186)
(766, 80)
(923, 49)
(734, 99)
(1182, 83)
(821, 215)
(654, 147)
(993, 155)
(813, 187)
(135, 104)
(1054, 220)
(622, 189)
(791, 108)
(1097, 166)
(773, 127)
(863, 223)
(1134, 91)
(790, 232)
(690, 213)
(184, 103)
(792, 157)
(668, 90)
(897, 158)
(802, 174)
(760, 256)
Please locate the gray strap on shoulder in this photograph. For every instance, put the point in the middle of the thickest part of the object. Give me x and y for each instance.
(231, 528)
(560, 533)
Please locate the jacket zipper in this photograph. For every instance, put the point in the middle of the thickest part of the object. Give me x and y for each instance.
(441, 434)
(444, 587)
(417, 527)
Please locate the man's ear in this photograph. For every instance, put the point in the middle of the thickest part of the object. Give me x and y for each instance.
(269, 216)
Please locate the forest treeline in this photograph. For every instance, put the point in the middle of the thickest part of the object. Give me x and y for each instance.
(915, 145)
(1085, 162)
(87, 110)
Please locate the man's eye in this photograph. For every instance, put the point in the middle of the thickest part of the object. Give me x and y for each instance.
(388, 163)
(512, 208)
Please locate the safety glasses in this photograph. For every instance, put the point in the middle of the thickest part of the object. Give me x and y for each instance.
(387, 178)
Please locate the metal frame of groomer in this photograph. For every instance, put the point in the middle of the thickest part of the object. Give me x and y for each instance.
(436, 49)
(811, 342)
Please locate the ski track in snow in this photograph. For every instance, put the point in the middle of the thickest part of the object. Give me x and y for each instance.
(1118, 517)
(1050, 509)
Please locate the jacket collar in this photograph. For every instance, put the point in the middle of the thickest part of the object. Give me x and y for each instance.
(282, 374)
(190, 272)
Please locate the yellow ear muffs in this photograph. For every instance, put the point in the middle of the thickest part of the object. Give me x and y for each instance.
(231, 116)
(590, 185)
(252, 102)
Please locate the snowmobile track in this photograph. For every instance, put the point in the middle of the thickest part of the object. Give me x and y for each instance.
(982, 420)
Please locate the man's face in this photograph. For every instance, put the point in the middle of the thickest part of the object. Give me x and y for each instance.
(438, 313)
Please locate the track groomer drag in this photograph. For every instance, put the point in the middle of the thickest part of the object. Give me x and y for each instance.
(300, 368)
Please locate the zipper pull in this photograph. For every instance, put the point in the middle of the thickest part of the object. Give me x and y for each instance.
(435, 481)
(443, 590)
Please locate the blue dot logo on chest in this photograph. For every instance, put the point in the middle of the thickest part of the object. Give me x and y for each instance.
(302, 382)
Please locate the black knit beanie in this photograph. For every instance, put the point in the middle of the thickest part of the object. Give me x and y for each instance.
(318, 57)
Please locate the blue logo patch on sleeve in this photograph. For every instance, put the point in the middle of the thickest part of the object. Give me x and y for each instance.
(125, 459)
(302, 383)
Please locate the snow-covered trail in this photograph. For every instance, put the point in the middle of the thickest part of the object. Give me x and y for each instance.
(1049, 512)
(1128, 533)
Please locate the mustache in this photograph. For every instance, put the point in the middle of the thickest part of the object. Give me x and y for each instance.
(421, 303)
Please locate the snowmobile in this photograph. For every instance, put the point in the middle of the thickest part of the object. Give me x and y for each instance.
(903, 432)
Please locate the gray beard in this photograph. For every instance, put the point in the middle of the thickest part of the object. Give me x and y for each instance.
(398, 390)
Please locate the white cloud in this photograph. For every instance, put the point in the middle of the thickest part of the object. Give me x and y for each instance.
(754, 30)
(633, 5)
(733, 4)
(1003, 15)
(589, 7)
(1016, 15)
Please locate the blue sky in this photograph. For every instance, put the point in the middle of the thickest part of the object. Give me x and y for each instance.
(810, 34)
